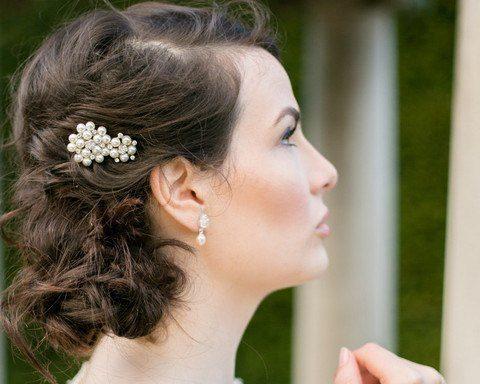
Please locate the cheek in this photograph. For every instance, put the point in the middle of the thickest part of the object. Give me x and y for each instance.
(278, 196)
(267, 223)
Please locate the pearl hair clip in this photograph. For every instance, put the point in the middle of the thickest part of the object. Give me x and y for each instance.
(95, 144)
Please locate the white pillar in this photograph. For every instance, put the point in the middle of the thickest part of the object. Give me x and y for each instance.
(350, 107)
(460, 355)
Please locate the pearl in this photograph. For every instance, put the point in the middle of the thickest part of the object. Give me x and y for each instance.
(101, 130)
(80, 143)
(124, 157)
(86, 162)
(71, 147)
(80, 128)
(86, 152)
(99, 158)
(78, 158)
(72, 138)
(131, 150)
(114, 153)
(90, 125)
(97, 139)
(87, 135)
(115, 142)
(201, 238)
(126, 140)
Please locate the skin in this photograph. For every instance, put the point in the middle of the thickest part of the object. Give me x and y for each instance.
(373, 364)
(261, 237)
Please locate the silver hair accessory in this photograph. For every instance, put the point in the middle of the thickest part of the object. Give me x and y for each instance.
(203, 222)
(94, 144)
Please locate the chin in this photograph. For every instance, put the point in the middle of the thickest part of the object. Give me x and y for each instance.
(314, 265)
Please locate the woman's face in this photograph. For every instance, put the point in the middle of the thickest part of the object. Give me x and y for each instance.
(262, 231)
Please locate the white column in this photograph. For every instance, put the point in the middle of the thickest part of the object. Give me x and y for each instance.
(460, 355)
(350, 107)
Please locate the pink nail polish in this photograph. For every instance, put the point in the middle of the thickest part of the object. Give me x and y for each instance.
(344, 356)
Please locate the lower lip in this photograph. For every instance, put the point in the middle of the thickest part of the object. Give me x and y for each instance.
(323, 230)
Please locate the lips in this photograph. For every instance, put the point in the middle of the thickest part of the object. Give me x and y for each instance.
(322, 228)
(324, 218)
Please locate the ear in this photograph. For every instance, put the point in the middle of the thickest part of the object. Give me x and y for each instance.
(181, 195)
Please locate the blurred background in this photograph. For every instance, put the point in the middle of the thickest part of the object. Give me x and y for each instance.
(423, 47)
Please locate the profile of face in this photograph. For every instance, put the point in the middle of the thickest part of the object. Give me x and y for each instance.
(261, 234)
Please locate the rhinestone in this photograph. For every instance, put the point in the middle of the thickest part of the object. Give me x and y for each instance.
(204, 220)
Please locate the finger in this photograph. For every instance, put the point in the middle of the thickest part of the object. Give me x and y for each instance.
(430, 374)
(367, 377)
(348, 372)
(385, 365)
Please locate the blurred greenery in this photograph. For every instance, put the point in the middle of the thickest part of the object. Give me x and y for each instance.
(425, 38)
(426, 42)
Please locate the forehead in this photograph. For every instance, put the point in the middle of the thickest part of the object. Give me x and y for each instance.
(265, 87)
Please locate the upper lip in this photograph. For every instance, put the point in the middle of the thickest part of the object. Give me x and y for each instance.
(324, 217)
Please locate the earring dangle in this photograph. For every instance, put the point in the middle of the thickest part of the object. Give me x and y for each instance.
(203, 223)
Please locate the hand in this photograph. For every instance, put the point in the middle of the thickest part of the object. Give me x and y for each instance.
(373, 364)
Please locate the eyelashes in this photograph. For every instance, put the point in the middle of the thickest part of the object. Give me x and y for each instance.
(287, 135)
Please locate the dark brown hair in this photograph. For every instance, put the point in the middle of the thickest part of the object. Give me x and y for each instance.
(90, 260)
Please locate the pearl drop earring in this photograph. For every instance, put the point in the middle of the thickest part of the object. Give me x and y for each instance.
(203, 223)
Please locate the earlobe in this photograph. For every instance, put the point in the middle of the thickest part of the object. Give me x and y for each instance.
(175, 189)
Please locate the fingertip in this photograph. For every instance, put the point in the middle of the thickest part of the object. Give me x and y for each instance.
(344, 356)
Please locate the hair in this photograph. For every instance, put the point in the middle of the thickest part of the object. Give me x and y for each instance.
(91, 262)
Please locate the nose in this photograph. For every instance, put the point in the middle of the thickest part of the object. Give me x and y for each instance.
(323, 175)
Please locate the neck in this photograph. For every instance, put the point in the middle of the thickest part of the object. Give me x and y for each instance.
(200, 339)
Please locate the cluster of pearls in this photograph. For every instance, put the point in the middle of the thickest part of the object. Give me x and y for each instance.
(203, 223)
(94, 144)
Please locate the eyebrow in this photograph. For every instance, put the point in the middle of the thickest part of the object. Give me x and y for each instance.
(288, 111)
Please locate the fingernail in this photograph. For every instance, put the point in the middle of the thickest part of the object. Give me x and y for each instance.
(344, 356)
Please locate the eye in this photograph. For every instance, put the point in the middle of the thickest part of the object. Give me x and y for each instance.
(287, 135)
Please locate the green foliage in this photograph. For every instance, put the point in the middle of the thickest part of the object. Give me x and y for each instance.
(426, 40)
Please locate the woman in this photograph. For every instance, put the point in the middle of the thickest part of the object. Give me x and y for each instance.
(165, 189)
